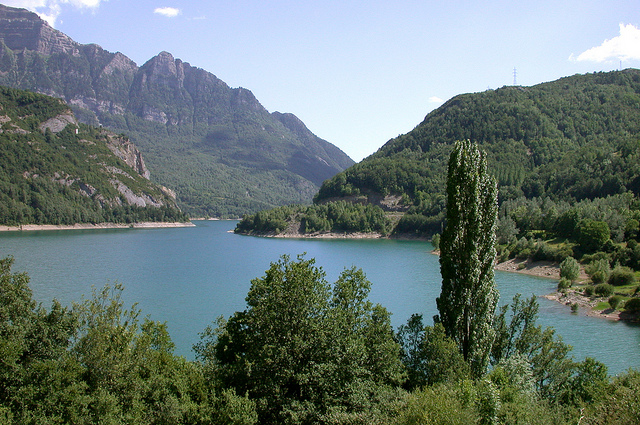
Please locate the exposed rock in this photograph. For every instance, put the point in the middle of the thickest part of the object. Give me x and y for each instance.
(143, 200)
(87, 189)
(129, 153)
(59, 123)
(21, 29)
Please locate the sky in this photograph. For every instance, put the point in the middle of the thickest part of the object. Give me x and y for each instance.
(359, 73)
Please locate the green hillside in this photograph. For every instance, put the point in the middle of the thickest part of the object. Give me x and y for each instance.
(562, 152)
(56, 171)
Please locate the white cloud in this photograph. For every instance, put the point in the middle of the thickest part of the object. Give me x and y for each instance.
(169, 12)
(435, 99)
(626, 46)
(50, 10)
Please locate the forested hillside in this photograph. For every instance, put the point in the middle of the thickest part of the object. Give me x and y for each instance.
(56, 171)
(561, 151)
(217, 147)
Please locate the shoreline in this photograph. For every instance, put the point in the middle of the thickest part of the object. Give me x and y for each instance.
(551, 270)
(91, 226)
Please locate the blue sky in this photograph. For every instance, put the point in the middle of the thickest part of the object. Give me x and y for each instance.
(361, 72)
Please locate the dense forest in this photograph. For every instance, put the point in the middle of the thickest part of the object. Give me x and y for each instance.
(65, 172)
(322, 354)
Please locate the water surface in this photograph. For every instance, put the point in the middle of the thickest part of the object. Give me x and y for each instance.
(189, 276)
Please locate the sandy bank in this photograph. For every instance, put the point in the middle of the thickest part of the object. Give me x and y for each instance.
(90, 226)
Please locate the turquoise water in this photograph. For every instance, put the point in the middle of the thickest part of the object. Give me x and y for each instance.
(189, 276)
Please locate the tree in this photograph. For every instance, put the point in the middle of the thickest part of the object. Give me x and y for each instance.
(429, 355)
(570, 269)
(592, 234)
(303, 350)
(468, 298)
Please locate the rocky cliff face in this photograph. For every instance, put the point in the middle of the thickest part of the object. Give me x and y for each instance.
(21, 31)
(129, 153)
(223, 150)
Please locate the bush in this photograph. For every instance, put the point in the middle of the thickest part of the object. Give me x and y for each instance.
(603, 290)
(435, 241)
(599, 270)
(615, 301)
(569, 269)
(632, 304)
(621, 276)
(588, 290)
(563, 284)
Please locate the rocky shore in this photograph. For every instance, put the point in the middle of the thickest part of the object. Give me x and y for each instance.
(572, 296)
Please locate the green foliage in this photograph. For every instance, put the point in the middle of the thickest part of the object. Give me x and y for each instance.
(517, 334)
(468, 298)
(338, 217)
(632, 305)
(570, 269)
(438, 405)
(622, 276)
(589, 290)
(435, 241)
(96, 363)
(603, 290)
(592, 235)
(302, 352)
(619, 404)
(615, 301)
(564, 284)
(565, 155)
(599, 271)
(302, 349)
(429, 355)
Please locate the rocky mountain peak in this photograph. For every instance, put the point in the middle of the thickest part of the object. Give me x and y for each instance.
(21, 29)
(164, 69)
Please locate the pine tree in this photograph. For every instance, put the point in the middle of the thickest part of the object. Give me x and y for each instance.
(468, 298)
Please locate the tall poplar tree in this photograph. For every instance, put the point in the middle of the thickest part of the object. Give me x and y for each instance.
(468, 298)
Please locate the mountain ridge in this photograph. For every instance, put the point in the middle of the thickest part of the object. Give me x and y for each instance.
(217, 146)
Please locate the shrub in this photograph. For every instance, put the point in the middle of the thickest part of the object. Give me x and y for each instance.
(621, 276)
(588, 290)
(435, 241)
(632, 304)
(603, 290)
(563, 284)
(599, 270)
(615, 301)
(569, 269)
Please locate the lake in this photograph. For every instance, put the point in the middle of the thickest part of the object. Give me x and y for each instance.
(189, 276)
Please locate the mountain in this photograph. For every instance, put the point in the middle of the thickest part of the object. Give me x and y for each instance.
(221, 151)
(57, 171)
(568, 144)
